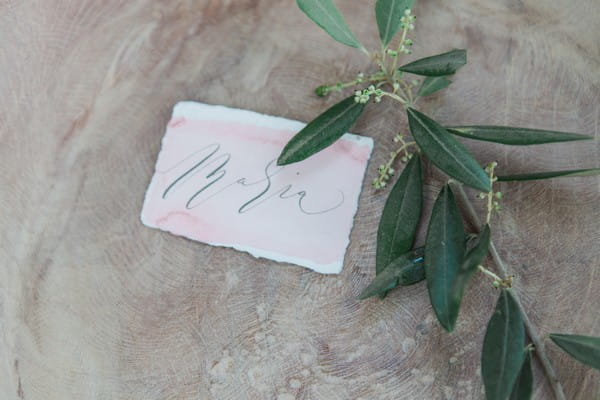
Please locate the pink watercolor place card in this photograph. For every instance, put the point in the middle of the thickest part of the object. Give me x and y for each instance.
(217, 181)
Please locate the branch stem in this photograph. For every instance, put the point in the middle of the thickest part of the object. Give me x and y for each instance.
(489, 273)
(490, 194)
(540, 351)
(407, 90)
(393, 71)
(376, 77)
(396, 97)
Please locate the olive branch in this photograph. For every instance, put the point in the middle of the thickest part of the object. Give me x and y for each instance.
(450, 256)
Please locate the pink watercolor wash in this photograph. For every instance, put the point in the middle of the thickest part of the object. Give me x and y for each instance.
(216, 181)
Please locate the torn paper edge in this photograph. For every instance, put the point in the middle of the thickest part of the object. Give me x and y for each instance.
(190, 110)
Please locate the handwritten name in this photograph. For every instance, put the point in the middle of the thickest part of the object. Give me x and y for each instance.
(207, 177)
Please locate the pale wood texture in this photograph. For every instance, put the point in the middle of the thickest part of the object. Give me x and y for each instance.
(93, 305)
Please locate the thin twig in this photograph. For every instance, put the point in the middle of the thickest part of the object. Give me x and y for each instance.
(489, 273)
(540, 351)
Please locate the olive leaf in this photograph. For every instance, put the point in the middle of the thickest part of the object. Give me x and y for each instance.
(446, 152)
(322, 131)
(449, 258)
(433, 84)
(523, 387)
(549, 174)
(325, 14)
(514, 136)
(438, 65)
(478, 251)
(585, 349)
(444, 250)
(471, 261)
(502, 353)
(400, 217)
(388, 14)
(405, 270)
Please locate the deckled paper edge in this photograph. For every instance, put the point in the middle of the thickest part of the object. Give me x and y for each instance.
(190, 109)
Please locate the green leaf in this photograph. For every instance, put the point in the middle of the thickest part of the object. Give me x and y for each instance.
(322, 131)
(502, 354)
(400, 218)
(414, 273)
(478, 252)
(549, 174)
(439, 65)
(405, 270)
(471, 261)
(401, 214)
(444, 250)
(432, 84)
(388, 14)
(514, 136)
(325, 14)
(585, 349)
(523, 387)
(446, 152)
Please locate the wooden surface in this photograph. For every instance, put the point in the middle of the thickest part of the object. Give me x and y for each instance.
(93, 305)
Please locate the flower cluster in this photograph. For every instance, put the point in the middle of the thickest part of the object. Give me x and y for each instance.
(407, 156)
(385, 173)
(492, 204)
(407, 20)
(385, 170)
(495, 205)
(405, 44)
(406, 23)
(365, 95)
(324, 90)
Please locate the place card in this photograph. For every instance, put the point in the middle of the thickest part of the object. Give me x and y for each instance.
(217, 181)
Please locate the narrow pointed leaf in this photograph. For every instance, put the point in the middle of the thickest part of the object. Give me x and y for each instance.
(322, 131)
(514, 136)
(444, 250)
(446, 152)
(415, 272)
(438, 65)
(405, 270)
(478, 252)
(325, 14)
(585, 349)
(502, 354)
(471, 261)
(549, 174)
(401, 214)
(388, 14)
(400, 218)
(433, 84)
(523, 387)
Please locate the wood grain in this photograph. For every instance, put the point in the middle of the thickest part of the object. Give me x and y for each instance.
(93, 305)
